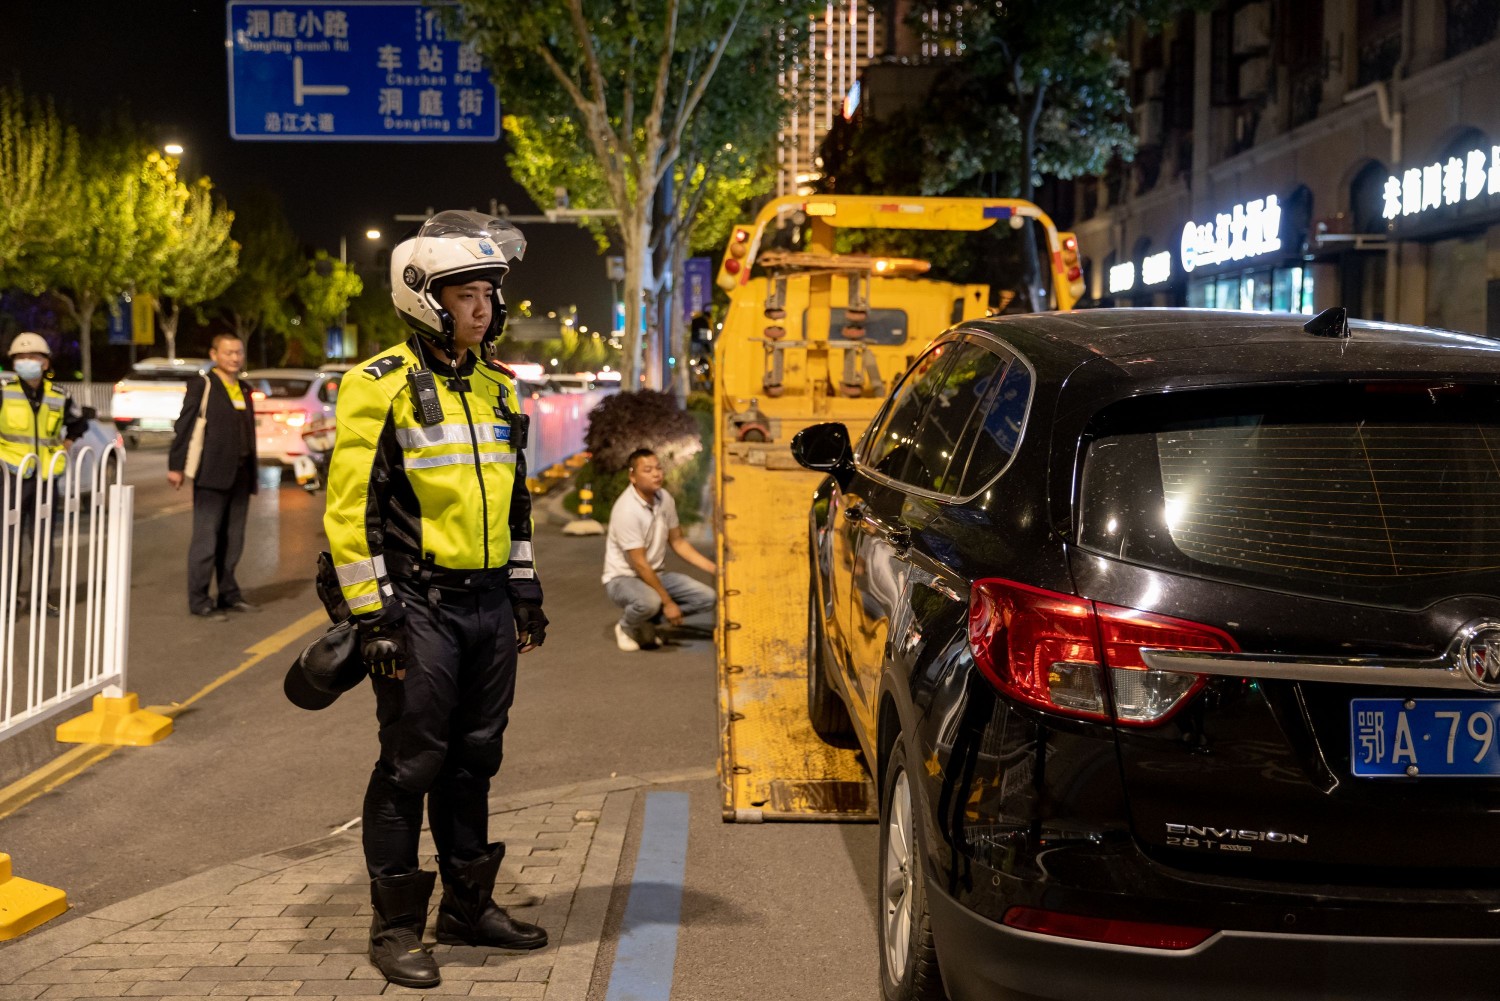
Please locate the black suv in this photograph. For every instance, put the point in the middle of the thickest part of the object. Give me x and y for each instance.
(1174, 637)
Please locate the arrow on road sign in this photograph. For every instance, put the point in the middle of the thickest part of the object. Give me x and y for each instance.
(300, 89)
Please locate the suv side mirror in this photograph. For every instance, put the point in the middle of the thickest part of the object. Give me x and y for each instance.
(825, 448)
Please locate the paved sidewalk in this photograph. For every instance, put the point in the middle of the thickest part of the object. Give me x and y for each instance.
(296, 921)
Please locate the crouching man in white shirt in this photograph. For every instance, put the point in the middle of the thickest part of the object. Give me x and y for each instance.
(643, 522)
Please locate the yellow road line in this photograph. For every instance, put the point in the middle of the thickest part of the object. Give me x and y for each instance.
(51, 775)
(69, 765)
(272, 644)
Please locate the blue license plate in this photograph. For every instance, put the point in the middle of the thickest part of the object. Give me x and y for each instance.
(1451, 737)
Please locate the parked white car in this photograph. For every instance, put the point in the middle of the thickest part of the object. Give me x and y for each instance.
(148, 400)
(287, 401)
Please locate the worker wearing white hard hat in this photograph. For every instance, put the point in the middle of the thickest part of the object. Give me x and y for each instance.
(37, 419)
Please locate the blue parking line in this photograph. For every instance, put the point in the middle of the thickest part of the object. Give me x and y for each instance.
(647, 949)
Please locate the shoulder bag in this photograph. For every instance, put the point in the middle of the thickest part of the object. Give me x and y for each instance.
(200, 430)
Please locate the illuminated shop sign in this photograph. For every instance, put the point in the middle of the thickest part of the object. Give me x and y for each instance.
(1247, 230)
(1154, 270)
(1450, 182)
(1157, 268)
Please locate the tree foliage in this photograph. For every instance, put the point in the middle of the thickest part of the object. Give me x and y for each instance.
(545, 154)
(39, 175)
(198, 261)
(379, 325)
(325, 290)
(114, 241)
(258, 302)
(633, 80)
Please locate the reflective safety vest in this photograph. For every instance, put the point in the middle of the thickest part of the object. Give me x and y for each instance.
(451, 495)
(26, 432)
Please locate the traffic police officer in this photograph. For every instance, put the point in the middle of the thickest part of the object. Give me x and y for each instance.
(36, 418)
(429, 524)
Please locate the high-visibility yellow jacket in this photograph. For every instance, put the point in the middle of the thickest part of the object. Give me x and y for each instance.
(41, 431)
(452, 495)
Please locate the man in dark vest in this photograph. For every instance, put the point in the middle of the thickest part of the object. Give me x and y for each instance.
(215, 448)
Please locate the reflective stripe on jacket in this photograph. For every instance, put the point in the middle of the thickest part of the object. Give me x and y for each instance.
(24, 431)
(452, 495)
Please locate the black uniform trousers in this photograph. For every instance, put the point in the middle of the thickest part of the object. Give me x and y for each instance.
(441, 727)
(218, 540)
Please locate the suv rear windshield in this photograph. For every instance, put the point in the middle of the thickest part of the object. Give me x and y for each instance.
(1379, 492)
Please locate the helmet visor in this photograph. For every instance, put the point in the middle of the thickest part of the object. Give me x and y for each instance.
(459, 240)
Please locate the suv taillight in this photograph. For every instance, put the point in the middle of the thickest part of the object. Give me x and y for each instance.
(1042, 648)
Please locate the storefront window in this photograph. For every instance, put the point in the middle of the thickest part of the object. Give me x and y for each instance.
(1281, 289)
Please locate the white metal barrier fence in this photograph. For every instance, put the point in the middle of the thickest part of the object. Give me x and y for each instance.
(558, 424)
(53, 657)
(98, 395)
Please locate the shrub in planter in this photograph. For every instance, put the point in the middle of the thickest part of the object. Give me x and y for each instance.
(624, 422)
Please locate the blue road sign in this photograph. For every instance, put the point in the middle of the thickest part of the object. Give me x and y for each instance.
(119, 322)
(385, 71)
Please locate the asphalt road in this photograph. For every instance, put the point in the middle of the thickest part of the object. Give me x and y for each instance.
(769, 911)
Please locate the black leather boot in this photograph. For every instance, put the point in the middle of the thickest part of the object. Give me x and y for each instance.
(468, 914)
(396, 947)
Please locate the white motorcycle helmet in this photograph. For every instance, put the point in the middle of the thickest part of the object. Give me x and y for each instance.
(452, 248)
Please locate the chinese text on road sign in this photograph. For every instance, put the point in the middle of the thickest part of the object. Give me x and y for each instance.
(389, 71)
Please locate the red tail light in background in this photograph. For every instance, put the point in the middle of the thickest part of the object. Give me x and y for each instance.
(1140, 934)
(1043, 649)
(291, 418)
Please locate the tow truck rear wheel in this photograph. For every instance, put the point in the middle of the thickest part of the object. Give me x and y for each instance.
(908, 959)
(829, 717)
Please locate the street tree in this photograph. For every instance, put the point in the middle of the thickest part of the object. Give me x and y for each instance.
(379, 325)
(258, 302)
(325, 289)
(199, 260)
(631, 79)
(39, 177)
(113, 240)
(1054, 80)
(725, 165)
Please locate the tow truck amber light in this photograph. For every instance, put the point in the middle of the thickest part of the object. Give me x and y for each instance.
(1141, 934)
(1042, 648)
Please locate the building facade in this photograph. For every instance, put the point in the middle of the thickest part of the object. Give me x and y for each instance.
(1299, 154)
(829, 68)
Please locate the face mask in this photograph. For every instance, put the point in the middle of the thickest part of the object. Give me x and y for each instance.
(29, 369)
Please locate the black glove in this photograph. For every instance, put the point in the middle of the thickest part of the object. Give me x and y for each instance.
(382, 643)
(531, 625)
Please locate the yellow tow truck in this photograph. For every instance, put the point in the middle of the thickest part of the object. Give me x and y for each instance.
(821, 322)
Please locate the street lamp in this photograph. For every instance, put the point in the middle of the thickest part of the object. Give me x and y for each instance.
(173, 149)
(372, 235)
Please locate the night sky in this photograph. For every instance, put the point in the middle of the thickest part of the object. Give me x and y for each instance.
(165, 61)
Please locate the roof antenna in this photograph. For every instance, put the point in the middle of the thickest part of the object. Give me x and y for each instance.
(1332, 322)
